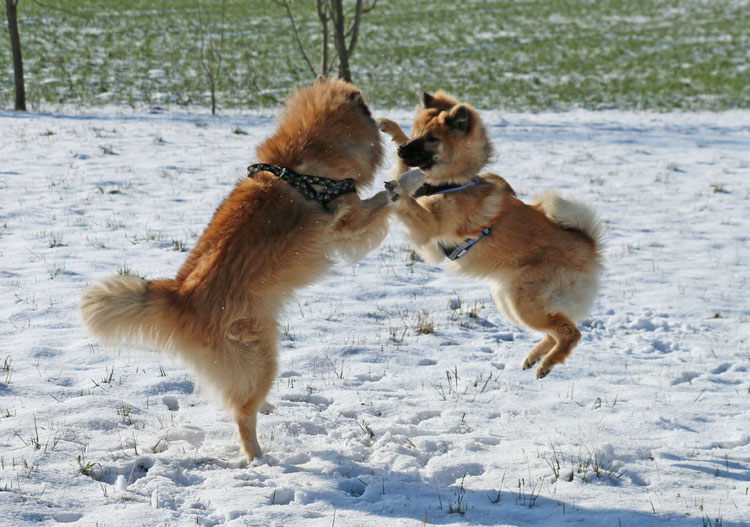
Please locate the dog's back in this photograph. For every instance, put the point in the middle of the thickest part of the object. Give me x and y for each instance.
(570, 214)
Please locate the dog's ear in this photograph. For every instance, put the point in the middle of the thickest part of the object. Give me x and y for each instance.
(320, 79)
(359, 99)
(459, 119)
(427, 99)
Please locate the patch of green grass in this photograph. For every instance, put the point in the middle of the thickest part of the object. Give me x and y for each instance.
(498, 54)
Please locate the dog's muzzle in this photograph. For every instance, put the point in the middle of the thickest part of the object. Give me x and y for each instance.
(414, 155)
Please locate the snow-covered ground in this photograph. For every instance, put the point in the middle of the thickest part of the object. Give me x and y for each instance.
(400, 399)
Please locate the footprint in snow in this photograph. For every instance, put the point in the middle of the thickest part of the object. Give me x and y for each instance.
(282, 496)
(171, 403)
(722, 368)
(686, 376)
(426, 362)
(353, 487)
(420, 417)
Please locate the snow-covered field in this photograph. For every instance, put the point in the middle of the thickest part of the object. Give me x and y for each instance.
(400, 399)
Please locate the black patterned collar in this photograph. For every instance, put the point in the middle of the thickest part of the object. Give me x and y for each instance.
(315, 188)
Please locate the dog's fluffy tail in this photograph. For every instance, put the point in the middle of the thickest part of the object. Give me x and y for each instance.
(571, 214)
(127, 308)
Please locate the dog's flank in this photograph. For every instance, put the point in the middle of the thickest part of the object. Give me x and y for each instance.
(265, 241)
(542, 260)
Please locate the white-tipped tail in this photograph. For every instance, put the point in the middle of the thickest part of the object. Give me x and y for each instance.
(121, 308)
(571, 214)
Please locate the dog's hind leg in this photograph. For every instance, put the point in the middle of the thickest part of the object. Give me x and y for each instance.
(245, 410)
(566, 334)
(527, 304)
(246, 417)
(249, 372)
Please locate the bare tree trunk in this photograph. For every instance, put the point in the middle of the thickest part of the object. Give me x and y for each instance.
(15, 45)
(339, 39)
(324, 16)
(212, 64)
(333, 11)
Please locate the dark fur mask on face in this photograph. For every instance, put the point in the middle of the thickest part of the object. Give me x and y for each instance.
(422, 150)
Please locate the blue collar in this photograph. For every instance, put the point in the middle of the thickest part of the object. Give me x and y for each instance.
(454, 253)
(431, 190)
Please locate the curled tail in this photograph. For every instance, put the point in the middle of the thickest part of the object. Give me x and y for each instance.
(571, 214)
(128, 308)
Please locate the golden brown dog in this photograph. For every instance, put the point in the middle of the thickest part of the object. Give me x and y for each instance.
(266, 240)
(543, 260)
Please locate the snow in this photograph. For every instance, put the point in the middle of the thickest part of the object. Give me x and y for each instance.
(400, 399)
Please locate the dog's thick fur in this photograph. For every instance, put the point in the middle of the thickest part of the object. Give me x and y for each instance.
(264, 242)
(543, 260)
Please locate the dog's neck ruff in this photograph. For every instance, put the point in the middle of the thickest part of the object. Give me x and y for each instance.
(459, 251)
(315, 188)
(431, 190)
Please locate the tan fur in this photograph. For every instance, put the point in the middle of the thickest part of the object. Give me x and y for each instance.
(454, 161)
(263, 243)
(543, 260)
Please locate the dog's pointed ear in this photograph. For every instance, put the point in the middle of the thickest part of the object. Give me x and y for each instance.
(427, 99)
(320, 79)
(459, 119)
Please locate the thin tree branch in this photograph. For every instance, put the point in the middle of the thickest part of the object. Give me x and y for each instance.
(367, 9)
(355, 28)
(56, 8)
(212, 64)
(259, 91)
(285, 3)
(221, 40)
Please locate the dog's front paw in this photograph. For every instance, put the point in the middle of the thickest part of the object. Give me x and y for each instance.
(387, 126)
(380, 200)
(406, 184)
(391, 188)
(410, 181)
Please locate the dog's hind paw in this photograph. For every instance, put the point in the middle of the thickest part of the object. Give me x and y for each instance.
(266, 408)
(542, 373)
(527, 364)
